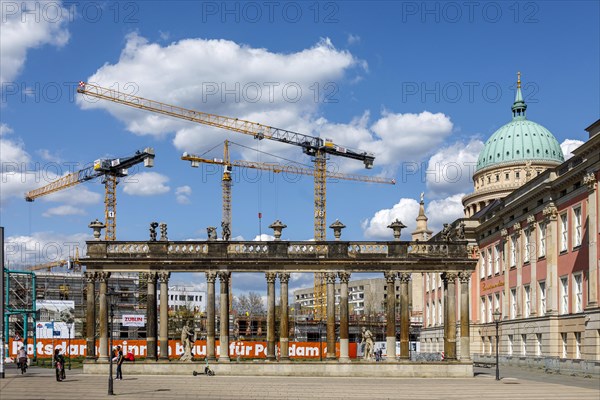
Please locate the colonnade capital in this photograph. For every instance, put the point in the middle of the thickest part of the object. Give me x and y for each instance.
(404, 277)
(330, 277)
(224, 276)
(150, 276)
(211, 276)
(344, 276)
(464, 276)
(449, 276)
(90, 277)
(164, 276)
(271, 277)
(390, 276)
(284, 277)
(103, 276)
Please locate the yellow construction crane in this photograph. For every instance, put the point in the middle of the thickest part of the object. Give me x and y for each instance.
(195, 161)
(111, 170)
(315, 147)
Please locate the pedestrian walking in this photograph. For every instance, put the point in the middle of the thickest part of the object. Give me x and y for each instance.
(120, 360)
(59, 365)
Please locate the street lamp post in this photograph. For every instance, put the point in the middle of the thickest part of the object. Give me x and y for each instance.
(110, 296)
(497, 315)
(68, 319)
(69, 328)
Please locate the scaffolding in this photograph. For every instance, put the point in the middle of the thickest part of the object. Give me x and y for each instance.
(20, 307)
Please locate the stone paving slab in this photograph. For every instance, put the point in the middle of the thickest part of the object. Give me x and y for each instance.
(39, 383)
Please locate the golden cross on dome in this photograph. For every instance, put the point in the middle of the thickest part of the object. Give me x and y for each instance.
(519, 80)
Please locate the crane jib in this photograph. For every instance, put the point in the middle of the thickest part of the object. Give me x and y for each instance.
(310, 144)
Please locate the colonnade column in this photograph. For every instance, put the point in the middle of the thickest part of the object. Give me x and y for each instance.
(390, 314)
(284, 278)
(465, 333)
(151, 320)
(164, 315)
(449, 279)
(211, 276)
(224, 328)
(404, 279)
(90, 321)
(344, 336)
(271, 276)
(330, 276)
(103, 348)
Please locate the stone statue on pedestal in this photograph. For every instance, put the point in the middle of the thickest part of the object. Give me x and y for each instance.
(187, 338)
(367, 339)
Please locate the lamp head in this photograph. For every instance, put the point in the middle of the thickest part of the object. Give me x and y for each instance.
(497, 315)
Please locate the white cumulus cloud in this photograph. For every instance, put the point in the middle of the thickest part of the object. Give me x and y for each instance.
(146, 184)
(568, 145)
(28, 25)
(450, 170)
(42, 247)
(406, 210)
(63, 210)
(182, 194)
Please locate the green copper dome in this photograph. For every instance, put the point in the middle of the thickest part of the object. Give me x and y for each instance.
(520, 140)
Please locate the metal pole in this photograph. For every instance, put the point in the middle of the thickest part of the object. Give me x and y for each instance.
(3, 337)
(69, 327)
(497, 366)
(110, 355)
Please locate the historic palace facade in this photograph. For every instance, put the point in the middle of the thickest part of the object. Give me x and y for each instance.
(535, 220)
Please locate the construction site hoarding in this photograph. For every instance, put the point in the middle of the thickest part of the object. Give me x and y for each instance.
(44, 348)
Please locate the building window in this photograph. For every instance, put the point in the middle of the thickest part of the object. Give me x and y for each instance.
(513, 303)
(489, 262)
(523, 345)
(433, 310)
(427, 321)
(577, 234)
(578, 291)
(513, 250)
(483, 345)
(483, 320)
(542, 310)
(527, 301)
(578, 345)
(510, 344)
(564, 295)
(506, 176)
(496, 259)
(542, 227)
(482, 266)
(491, 348)
(497, 305)
(564, 345)
(490, 318)
(527, 256)
(564, 231)
(538, 340)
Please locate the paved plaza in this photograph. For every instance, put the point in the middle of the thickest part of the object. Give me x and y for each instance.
(516, 383)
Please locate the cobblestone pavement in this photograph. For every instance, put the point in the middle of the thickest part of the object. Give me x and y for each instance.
(39, 383)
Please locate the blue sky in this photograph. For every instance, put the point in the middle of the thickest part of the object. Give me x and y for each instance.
(419, 84)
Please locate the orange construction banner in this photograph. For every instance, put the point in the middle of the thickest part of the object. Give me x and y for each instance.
(44, 348)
